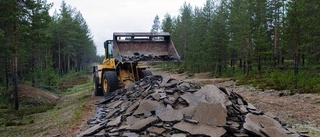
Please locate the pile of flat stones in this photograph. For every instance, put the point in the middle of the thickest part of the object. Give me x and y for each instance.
(141, 57)
(161, 106)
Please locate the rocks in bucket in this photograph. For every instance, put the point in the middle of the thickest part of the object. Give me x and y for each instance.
(141, 57)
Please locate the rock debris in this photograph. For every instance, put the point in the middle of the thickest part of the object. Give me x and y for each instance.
(142, 57)
(162, 106)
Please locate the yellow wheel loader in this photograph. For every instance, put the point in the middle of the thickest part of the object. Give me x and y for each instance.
(126, 56)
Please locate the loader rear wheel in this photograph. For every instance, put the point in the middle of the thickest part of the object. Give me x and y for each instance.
(109, 82)
(97, 89)
(144, 73)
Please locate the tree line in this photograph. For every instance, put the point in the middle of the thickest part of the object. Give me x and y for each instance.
(39, 48)
(252, 36)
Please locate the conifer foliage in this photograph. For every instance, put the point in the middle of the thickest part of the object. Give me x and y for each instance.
(250, 36)
(39, 48)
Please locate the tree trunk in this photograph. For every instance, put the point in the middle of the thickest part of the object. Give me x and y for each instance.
(68, 63)
(46, 60)
(33, 81)
(232, 61)
(6, 67)
(275, 54)
(15, 67)
(220, 67)
(59, 56)
(244, 66)
(303, 60)
(248, 66)
(198, 66)
(282, 57)
(259, 63)
(296, 61)
(78, 64)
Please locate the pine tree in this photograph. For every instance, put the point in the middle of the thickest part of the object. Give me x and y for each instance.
(73, 47)
(218, 37)
(259, 29)
(156, 24)
(240, 33)
(167, 24)
(195, 55)
(183, 29)
(38, 35)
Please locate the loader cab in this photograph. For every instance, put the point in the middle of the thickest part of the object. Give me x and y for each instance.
(108, 46)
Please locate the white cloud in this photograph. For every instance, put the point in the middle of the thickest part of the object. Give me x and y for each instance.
(107, 16)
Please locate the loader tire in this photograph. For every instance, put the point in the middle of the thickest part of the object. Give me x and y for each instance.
(109, 82)
(97, 88)
(144, 73)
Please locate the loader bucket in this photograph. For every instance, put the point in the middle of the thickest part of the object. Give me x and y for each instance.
(147, 44)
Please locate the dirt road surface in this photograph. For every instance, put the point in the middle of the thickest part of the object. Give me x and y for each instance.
(301, 111)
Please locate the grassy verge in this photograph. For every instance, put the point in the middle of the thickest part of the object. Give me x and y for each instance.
(49, 120)
(174, 67)
(305, 82)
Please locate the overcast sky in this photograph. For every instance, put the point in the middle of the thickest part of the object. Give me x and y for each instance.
(107, 16)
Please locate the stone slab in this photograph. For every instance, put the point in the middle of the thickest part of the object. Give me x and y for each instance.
(243, 109)
(171, 116)
(179, 135)
(212, 94)
(147, 106)
(156, 96)
(156, 130)
(255, 123)
(115, 122)
(132, 107)
(142, 124)
(131, 120)
(171, 83)
(164, 81)
(200, 130)
(192, 99)
(188, 111)
(114, 103)
(250, 106)
(210, 114)
(90, 131)
(130, 134)
(275, 132)
(111, 113)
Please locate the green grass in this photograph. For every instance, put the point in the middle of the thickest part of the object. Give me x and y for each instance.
(304, 82)
(174, 67)
(76, 88)
(313, 130)
(23, 116)
(48, 120)
(307, 80)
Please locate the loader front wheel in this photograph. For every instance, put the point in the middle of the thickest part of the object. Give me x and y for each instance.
(110, 82)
